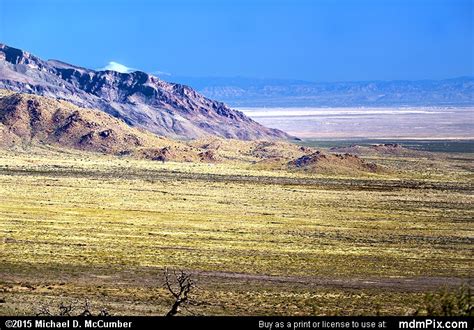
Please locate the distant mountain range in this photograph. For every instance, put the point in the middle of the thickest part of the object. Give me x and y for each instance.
(247, 92)
(137, 98)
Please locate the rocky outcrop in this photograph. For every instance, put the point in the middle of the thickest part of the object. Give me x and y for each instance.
(335, 163)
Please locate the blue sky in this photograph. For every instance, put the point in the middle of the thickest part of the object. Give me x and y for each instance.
(331, 40)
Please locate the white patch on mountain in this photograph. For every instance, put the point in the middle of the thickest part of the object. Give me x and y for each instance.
(115, 66)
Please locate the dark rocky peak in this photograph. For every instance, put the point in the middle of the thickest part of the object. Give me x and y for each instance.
(17, 56)
(57, 64)
(12, 55)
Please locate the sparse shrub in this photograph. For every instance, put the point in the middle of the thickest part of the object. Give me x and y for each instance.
(71, 309)
(446, 302)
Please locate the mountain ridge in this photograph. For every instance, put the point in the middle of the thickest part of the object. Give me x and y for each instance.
(139, 99)
(27, 120)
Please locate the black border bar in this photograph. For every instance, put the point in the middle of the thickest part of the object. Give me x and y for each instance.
(231, 322)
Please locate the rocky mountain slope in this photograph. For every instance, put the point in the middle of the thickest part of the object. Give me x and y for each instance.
(29, 121)
(139, 99)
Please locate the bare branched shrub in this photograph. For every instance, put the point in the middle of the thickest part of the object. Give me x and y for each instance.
(179, 284)
(65, 310)
(446, 302)
(44, 311)
(86, 309)
(72, 309)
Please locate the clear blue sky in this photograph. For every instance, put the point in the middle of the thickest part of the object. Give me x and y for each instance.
(332, 40)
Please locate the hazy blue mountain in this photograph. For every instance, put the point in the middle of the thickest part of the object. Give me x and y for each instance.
(241, 91)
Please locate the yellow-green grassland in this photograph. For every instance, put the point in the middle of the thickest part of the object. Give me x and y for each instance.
(77, 225)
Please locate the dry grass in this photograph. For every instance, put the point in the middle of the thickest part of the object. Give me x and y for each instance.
(81, 225)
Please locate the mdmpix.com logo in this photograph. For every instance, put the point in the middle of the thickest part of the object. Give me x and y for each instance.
(432, 324)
